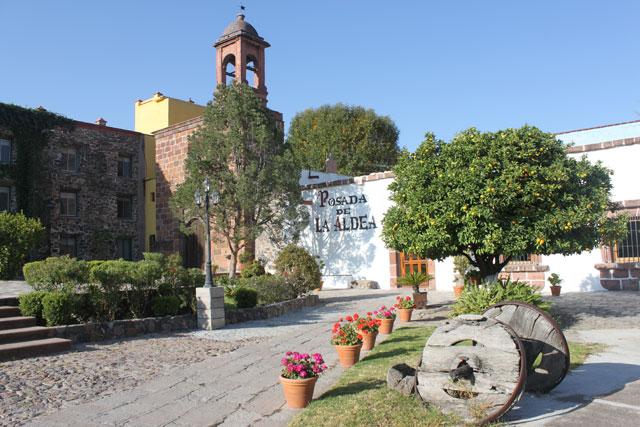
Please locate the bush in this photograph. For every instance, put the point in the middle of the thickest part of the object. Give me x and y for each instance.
(111, 276)
(254, 269)
(58, 308)
(270, 288)
(18, 235)
(246, 298)
(31, 304)
(166, 306)
(55, 273)
(145, 276)
(477, 298)
(299, 268)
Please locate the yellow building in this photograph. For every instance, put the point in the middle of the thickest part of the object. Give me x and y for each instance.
(151, 115)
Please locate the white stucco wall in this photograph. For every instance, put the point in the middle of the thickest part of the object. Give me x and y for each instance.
(576, 271)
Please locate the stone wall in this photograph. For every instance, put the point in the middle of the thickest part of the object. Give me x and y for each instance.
(620, 276)
(271, 310)
(524, 271)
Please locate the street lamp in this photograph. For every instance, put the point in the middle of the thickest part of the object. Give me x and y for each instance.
(210, 197)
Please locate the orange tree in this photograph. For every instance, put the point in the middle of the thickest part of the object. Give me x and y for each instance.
(492, 195)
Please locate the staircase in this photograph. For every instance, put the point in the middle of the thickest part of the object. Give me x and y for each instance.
(21, 338)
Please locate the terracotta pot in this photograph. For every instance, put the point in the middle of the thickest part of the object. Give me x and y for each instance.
(555, 290)
(298, 393)
(457, 291)
(348, 354)
(420, 299)
(405, 314)
(369, 340)
(386, 327)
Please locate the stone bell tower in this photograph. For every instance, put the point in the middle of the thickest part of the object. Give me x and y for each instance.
(240, 56)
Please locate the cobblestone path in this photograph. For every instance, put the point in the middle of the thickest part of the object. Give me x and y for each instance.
(597, 310)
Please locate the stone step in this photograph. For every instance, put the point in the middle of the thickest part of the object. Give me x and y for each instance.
(8, 311)
(23, 334)
(20, 350)
(16, 322)
(12, 301)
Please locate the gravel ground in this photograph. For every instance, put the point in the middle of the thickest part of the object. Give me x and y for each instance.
(30, 387)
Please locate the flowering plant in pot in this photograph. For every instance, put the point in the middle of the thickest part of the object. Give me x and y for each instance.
(299, 374)
(387, 316)
(368, 327)
(415, 279)
(555, 281)
(405, 306)
(347, 340)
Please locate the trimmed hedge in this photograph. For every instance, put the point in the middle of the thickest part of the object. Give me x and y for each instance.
(299, 268)
(18, 235)
(166, 306)
(246, 298)
(58, 308)
(31, 304)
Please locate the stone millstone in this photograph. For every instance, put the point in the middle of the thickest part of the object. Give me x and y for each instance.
(402, 378)
(364, 284)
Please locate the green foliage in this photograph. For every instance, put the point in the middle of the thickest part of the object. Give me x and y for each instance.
(299, 268)
(270, 288)
(55, 273)
(111, 276)
(31, 304)
(254, 269)
(18, 235)
(166, 305)
(144, 276)
(58, 308)
(240, 149)
(489, 194)
(246, 298)
(359, 140)
(554, 279)
(476, 299)
(29, 132)
(414, 279)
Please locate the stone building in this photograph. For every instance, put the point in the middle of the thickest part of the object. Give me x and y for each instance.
(89, 184)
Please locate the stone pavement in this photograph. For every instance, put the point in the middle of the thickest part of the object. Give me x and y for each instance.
(238, 388)
(13, 288)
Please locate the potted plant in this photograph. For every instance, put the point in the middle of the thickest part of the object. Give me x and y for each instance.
(347, 340)
(415, 279)
(386, 316)
(405, 307)
(461, 266)
(368, 327)
(300, 372)
(555, 281)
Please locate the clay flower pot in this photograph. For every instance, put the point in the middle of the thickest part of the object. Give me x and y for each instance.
(369, 340)
(457, 291)
(348, 354)
(405, 314)
(555, 290)
(420, 299)
(298, 393)
(386, 327)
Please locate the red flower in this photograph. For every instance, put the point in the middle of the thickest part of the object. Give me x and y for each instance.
(408, 298)
(349, 319)
(355, 316)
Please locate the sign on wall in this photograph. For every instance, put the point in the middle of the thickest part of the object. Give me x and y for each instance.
(345, 208)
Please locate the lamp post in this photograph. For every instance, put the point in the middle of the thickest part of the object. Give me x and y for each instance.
(210, 197)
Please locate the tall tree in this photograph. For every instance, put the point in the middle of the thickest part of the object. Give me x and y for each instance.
(490, 196)
(359, 140)
(241, 149)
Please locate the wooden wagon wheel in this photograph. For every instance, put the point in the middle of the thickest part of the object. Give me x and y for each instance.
(543, 340)
(473, 367)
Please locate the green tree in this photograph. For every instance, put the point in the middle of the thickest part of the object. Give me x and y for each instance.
(358, 139)
(240, 148)
(490, 196)
(18, 235)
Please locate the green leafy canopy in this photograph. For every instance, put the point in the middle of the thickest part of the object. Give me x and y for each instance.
(492, 194)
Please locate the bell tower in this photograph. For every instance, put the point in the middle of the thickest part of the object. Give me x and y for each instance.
(240, 56)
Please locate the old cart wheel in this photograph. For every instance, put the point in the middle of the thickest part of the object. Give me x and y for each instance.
(473, 367)
(544, 343)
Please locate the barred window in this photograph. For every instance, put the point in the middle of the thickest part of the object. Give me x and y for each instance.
(125, 207)
(628, 249)
(68, 203)
(123, 248)
(5, 152)
(5, 198)
(69, 246)
(124, 166)
(69, 160)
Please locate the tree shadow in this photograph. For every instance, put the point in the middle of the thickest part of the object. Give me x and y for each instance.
(352, 388)
(571, 308)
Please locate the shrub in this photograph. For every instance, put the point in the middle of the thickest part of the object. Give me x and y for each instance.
(300, 269)
(110, 276)
(270, 288)
(18, 235)
(246, 298)
(254, 269)
(31, 304)
(144, 276)
(54, 273)
(58, 308)
(166, 306)
(476, 299)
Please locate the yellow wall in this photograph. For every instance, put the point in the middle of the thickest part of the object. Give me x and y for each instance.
(151, 115)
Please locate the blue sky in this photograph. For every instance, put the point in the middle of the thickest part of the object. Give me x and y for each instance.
(431, 66)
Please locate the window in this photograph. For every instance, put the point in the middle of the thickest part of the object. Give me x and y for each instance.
(69, 246)
(69, 160)
(124, 166)
(628, 249)
(5, 198)
(68, 203)
(124, 248)
(229, 69)
(152, 242)
(252, 72)
(5, 152)
(125, 207)
(413, 264)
